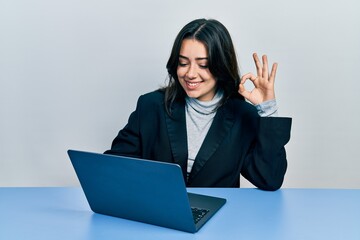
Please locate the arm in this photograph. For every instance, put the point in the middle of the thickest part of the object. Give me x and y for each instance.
(127, 142)
(265, 164)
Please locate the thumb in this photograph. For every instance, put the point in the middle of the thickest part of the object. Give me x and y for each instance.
(242, 91)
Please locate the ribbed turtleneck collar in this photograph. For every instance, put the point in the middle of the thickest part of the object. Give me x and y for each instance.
(205, 107)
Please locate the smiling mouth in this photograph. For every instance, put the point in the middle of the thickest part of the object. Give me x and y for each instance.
(192, 85)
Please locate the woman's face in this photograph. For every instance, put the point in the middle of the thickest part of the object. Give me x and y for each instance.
(193, 72)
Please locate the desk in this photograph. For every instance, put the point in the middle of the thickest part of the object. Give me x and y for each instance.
(63, 213)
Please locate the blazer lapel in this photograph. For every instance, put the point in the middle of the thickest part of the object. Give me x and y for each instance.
(221, 125)
(176, 125)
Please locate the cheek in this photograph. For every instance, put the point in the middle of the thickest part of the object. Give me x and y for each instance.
(180, 72)
(207, 76)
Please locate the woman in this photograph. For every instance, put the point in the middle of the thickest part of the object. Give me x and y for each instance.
(201, 120)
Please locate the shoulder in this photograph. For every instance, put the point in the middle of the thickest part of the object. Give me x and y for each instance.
(154, 97)
(151, 101)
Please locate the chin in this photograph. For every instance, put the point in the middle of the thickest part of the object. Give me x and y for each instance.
(193, 95)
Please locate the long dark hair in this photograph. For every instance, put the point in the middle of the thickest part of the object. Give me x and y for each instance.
(221, 59)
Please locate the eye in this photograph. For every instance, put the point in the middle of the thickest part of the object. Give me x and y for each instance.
(204, 66)
(182, 64)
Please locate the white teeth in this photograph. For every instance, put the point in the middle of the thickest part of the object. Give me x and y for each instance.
(192, 84)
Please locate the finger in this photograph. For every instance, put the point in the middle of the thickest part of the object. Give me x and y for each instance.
(242, 91)
(241, 88)
(273, 72)
(250, 76)
(265, 72)
(257, 64)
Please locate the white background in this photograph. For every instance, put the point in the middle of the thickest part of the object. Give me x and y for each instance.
(72, 70)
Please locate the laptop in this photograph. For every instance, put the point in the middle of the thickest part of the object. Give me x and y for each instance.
(142, 190)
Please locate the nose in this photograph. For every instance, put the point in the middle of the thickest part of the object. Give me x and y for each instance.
(191, 73)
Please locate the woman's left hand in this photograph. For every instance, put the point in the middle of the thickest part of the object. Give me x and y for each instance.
(263, 82)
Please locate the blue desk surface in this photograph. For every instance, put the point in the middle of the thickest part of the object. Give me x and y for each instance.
(63, 213)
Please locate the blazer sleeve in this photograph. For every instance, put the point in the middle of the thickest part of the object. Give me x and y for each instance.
(265, 164)
(128, 142)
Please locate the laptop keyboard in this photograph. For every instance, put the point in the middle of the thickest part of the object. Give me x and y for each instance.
(198, 213)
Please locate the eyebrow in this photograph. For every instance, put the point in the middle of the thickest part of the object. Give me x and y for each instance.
(198, 58)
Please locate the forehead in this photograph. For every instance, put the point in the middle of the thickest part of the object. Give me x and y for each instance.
(192, 48)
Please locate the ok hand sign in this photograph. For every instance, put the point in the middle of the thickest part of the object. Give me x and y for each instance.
(263, 82)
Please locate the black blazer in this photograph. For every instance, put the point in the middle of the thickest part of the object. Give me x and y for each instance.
(238, 141)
